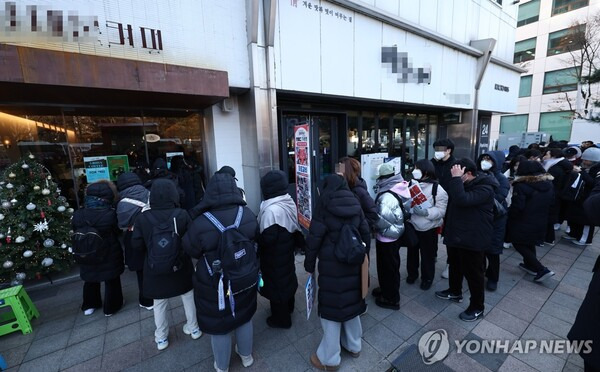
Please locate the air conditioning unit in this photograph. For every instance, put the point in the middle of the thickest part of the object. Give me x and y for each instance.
(227, 105)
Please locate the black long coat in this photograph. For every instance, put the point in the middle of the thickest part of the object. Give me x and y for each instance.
(470, 216)
(105, 221)
(164, 202)
(340, 297)
(276, 251)
(528, 212)
(222, 198)
(559, 171)
(366, 202)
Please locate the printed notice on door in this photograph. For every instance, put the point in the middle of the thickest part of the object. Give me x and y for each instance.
(302, 152)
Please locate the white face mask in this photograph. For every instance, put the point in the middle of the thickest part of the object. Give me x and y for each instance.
(417, 174)
(486, 165)
(439, 155)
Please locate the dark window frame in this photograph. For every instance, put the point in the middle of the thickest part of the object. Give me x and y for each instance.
(558, 88)
(563, 45)
(529, 20)
(568, 6)
(518, 57)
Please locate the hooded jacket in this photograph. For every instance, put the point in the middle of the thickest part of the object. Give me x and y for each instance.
(160, 171)
(222, 198)
(127, 212)
(390, 224)
(104, 219)
(559, 169)
(528, 212)
(442, 170)
(340, 295)
(164, 206)
(500, 194)
(470, 216)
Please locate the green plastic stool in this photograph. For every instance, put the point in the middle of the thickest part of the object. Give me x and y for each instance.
(22, 310)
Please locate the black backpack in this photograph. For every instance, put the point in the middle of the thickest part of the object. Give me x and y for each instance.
(164, 248)
(350, 248)
(573, 188)
(239, 267)
(88, 245)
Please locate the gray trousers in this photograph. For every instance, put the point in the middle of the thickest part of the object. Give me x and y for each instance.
(221, 344)
(161, 317)
(349, 333)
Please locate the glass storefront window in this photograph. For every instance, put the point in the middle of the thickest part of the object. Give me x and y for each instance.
(422, 136)
(368, 133)
(289, 122)
(411, 142)
(384, 138)
(397, 138)
(352, 138)
(433, 127)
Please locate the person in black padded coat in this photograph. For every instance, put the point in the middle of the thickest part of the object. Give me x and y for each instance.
(222, 198)
(98, 211)
(164, 208)
(278, 222)
(340, 295)
(359, 187)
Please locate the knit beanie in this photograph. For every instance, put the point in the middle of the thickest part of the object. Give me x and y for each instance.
(126, 180)
(273, 184)
(530, 168)
(591, 154)
(101, 189)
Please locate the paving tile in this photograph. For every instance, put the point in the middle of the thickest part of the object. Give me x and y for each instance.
(287, 359)
(452, 313)
(552, 324)
(90, 365)
(14, 356)
(123, 318)
(308, 344)
(518, 309)
(47, 345)
(559, 311)
(54, 327)
(123, 357)
(431, 302)
(492, 361)
(88, 330)
(542, 362)
(530, 293)
(368, 358)
(570, 367)
(507, 321)
(272, 340)
(82, 351)
(489, 331)
(512, 364)
(571, 290)
(463, 362)
(576, 360)
(565, 300)
(401, 325)
(15, 339)
(47, 363)
(382, 339)
(534, 332)
(417, 312)
(122, 336)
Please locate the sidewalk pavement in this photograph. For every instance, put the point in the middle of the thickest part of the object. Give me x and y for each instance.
(66, 340)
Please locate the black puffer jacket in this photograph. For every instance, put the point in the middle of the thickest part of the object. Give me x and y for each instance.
(575, 210)
(366, 202)
(560, 171)
(276, 251)
(164, 204)
(500, 194)
(470, 216)
(442, 170)
(340, 296)
(130, 186)
(528, 212)
(587, 322)
(222, 199)
(105, 221)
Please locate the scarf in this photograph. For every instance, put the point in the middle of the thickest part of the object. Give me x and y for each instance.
(280, 210)
(94, 202)
(551, 162)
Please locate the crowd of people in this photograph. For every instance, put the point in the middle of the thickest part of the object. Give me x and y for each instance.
(161, 228)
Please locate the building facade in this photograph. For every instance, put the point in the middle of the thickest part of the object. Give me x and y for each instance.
(257, 85)
(549, 39)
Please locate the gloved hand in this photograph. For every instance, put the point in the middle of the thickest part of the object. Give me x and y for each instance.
(420, 212)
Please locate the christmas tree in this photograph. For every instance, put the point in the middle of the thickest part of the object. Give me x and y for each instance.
(35, 225)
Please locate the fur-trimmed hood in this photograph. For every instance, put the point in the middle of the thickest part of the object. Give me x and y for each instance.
(532, 179)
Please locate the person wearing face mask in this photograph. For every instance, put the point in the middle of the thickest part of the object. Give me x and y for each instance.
(426, 223)
(560, 168)
(582, 232)
(490, 163)
(443, 160)
(469, 229)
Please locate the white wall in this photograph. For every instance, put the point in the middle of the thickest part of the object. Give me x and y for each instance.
(197, 33)
(322, 53)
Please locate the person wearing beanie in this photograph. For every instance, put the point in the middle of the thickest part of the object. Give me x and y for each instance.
(98, 212)
(573, 154)
(279, 232)
(133, 197)
(226, 169)
(581, 231)
(559, 168)
(469, 230)
(426, 222)
(389, 228)
(533, 194)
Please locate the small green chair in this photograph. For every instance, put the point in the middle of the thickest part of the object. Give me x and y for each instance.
(22, 310)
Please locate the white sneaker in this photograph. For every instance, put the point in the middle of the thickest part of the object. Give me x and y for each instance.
(568, 229)
(89, 311)
(507, 245)
(162, 344)
(149, 308)
(579, 242)
(220, 370)
(445, 273)
(556, 226)
(196, 333)
(246, 360)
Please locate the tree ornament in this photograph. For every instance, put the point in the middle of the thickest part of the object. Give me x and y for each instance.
(49, 177)
(25, 166)
(45, 192)
(13, 201)
(41, 227)
(30, 206)
(70, 210)
(9, 186)
(8, 237)
(27, 253)
(47, 261)
(38, 276)
(48, 243)
(49, 202)
(58, 190)
(63, 246)
(61, 208)
(15, 283)
(70, 250)
(42, 214)
(11, 175)
(7, 264)
(6, 204)
(1, 236)
(21, 276)
(1, 216)
(20, 239)
(36, 188)
(31, 156)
